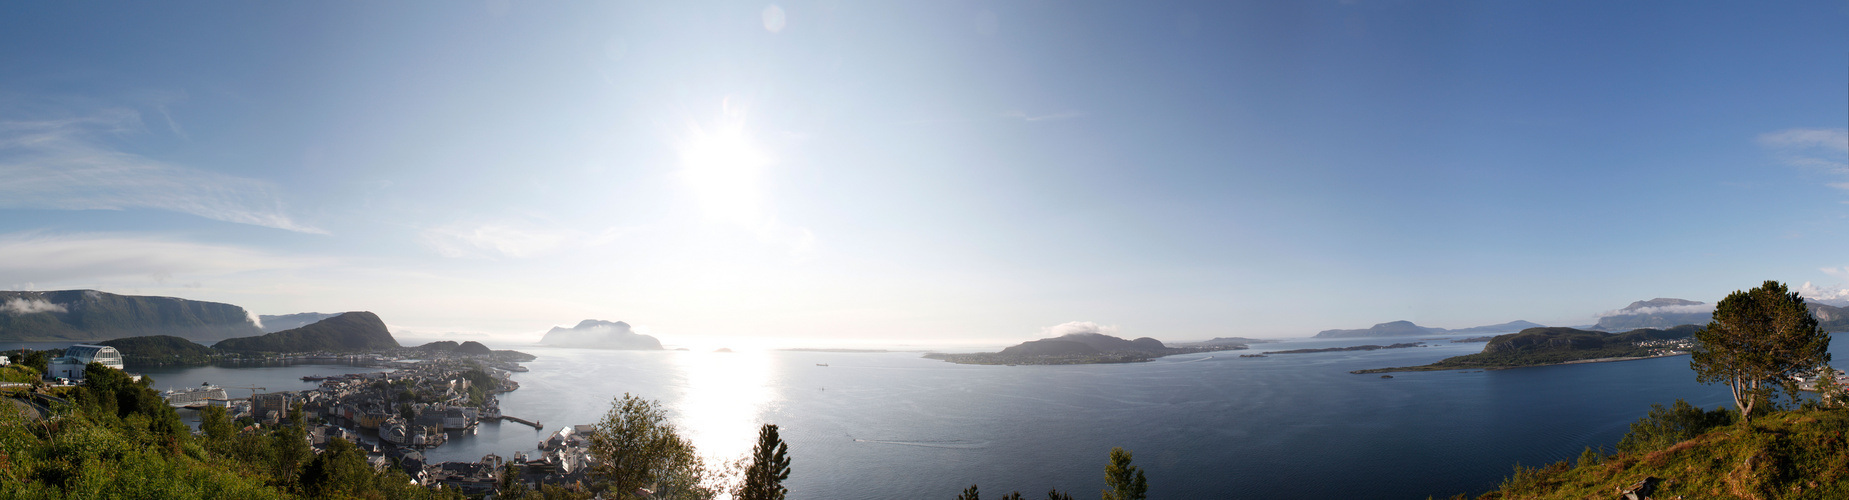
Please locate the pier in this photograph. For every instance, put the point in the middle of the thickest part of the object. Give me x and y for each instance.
(536, 425)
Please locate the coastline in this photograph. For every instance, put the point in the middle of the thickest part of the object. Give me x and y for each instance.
(1434, 368)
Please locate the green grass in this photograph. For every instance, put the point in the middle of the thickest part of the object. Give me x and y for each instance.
(1800, 454)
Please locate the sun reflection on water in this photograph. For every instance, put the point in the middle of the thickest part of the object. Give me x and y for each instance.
(725, 396)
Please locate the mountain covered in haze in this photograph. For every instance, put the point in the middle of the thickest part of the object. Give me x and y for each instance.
(90, 315)
(1656, 313)
(348, 332)
(280, 322)
(1408, 329)
(1512, 326)
(599, 334)
(1388, 329)
(1083, 343)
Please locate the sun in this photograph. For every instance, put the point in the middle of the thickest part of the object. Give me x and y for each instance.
(723, 168)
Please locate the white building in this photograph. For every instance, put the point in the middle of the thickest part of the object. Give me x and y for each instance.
(72, 363)
(4, 361)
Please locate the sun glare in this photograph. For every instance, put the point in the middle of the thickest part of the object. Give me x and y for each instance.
(722, 166)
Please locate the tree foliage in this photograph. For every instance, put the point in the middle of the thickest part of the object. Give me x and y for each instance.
(1123, 481)
(1759, 339)
(1667, 426)
(770, 466)
(637, 448)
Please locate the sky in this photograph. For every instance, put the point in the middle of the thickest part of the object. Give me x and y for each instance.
(984, 171)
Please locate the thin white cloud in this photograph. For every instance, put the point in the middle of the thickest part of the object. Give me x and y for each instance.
(1687, 309)
(509, 238)
(82, 258)
(1814, 148)
(66, 165)
(1072, 327)
(18, 305)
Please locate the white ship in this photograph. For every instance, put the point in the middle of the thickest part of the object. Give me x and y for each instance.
(196, 397)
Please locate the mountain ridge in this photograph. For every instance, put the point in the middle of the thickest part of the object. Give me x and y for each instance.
(92, 316)
(348, 332)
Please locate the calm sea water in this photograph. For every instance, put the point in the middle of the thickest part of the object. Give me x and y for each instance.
(894, 425)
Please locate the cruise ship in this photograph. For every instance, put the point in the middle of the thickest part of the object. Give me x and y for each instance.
(197, 397)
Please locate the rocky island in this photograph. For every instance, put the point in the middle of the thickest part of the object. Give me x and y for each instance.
(1561, 345)
(1079, 349)
(600, 334)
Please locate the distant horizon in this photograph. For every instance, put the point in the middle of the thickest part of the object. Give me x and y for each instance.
(951, 171)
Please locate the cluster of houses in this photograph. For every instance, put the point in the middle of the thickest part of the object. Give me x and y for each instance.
(394, 416)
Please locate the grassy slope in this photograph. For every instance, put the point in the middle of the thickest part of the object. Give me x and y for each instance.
(1792, 455)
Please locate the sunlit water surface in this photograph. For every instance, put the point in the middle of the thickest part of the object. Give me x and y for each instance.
(894, 425)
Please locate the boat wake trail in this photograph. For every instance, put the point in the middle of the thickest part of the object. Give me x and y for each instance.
(955, 444)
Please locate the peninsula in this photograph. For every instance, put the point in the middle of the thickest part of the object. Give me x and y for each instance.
(1079, 349)
(1402, 345)
(1560, 345)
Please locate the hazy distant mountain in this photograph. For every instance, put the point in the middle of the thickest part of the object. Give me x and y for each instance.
(277, 323)
(1657, 313)
(1083, 343)
(89, 316)
(1389, 329)
(1510, 327)
(354, 331)
(1830, 318)
(600, 334)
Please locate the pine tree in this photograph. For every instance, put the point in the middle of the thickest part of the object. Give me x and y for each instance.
(970, 494)
(1829, 392)
(770, 465)
(1758, 340)
(1125, 481)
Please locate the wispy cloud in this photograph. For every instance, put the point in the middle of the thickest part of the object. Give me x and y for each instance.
(1683, 309)
(512, 238)
(1812, 148)
(68, 259)
(66, 164)
(18, 305)
(1063, 115)
(1072, 327)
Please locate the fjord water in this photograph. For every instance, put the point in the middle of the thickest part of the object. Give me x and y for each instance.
(894, 425)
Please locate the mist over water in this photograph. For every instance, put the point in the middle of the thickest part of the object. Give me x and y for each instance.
(894, 425)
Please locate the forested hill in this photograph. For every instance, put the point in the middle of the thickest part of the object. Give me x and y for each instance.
(90, 316)
(160, 350)
(354, 331)
(1554, 345)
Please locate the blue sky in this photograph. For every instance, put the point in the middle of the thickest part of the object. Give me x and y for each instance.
(931, 172)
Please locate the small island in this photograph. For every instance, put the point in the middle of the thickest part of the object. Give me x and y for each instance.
(1561, 345)
(1079, 349)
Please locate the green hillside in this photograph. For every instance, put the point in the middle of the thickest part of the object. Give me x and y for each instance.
(349, 332)
(161, 350)
(1791, 455)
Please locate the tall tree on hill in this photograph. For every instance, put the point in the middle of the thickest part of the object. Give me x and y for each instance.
(1759, 339)
(637, 448)
(770, 465)
(1125, 481)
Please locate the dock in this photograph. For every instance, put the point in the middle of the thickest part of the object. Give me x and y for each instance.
(536, 425)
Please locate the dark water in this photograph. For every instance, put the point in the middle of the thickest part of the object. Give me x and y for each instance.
(893, 425)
